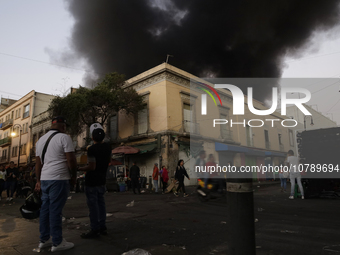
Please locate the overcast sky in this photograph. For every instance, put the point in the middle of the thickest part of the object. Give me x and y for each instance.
(29, 29)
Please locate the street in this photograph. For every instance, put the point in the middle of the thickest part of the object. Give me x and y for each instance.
(165, 224)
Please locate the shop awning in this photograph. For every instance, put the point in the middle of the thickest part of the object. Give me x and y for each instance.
(228, 147)
(275, 154)
(145, 148)
(235, 148)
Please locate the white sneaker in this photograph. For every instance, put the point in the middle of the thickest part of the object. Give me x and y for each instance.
(48, 243)
(291, 197)
(303, 197)
(7, 199)
(10, 199)
(64, 245)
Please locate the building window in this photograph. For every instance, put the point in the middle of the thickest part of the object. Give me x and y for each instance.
(19, 113)
(280, 138)
(15, 151)
(249, 133)
(16, 114)
(113, 128)
(4, 154)
(23, 151)
(26, 111)
(291, 138)
(225, 130)
(266, 139)
(142, 121)
(187, 117)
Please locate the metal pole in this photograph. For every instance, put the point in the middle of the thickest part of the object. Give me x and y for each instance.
(19, 147)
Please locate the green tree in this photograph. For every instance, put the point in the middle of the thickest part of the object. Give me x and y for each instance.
(86, 106)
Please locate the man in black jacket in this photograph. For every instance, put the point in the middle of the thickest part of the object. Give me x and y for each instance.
(135, 177)
(179, 176)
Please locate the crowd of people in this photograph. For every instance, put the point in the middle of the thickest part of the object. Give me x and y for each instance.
(56, 170)
(13, 179)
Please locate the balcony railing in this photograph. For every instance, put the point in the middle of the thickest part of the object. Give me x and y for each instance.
(282, 148)
(191, 127)
(5, 141)
(267, 145)
(6, 124)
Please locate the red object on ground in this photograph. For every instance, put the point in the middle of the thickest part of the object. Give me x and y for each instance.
(125, 150)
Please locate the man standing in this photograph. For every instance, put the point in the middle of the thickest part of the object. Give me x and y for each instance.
(293, 164)
(155, 177)
(135, 177)
(98, 156)
(12, 174)
(55, 159)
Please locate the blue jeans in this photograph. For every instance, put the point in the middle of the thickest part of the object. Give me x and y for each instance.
(10, 185)
(292, 183)
(155, 185)
(54, 197)
(283, 181)
(96, 204)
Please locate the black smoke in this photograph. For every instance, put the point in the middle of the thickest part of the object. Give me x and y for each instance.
(219, 38)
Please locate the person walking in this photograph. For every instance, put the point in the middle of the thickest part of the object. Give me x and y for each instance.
(164, 178)
(283, 178)
(12, 174)
(135, 177)
(2, 180)
(54, 157)
(98, 157)
(293, 164)
(179, 176)
(155, 175)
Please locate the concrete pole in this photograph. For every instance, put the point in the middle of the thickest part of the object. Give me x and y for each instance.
(240, 213)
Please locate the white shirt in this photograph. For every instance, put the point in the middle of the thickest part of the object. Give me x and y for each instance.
(293, 164)
(55, 162)
(2, 175)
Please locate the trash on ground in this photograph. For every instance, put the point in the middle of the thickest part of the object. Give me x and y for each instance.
(109, 214)
(143, 191)
(223, 222)
(258, 247)
(256, 220)
(182, 247)
(63, 219)
(137, 252)
(70, 197)
(131, 204)
(258, 186)
(36, 250)
(260, 209)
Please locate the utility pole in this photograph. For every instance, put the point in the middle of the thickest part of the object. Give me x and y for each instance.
(240, 212)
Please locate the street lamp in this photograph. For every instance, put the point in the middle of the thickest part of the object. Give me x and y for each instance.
(311, 121)
(14, 134)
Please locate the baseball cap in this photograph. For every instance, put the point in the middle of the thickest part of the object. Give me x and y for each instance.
(58, 119)
(95, 126)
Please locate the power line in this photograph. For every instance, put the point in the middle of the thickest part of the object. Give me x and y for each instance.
(325, 87)
(39, 61)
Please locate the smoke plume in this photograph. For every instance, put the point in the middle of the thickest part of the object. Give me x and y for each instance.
(217, 38)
